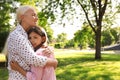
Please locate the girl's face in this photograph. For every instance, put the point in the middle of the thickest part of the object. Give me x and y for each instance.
(30, 18)
(35, 39)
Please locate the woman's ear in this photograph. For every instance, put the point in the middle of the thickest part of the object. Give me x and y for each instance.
(21, 17)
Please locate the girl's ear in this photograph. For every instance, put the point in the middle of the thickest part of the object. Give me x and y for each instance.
(43, 39)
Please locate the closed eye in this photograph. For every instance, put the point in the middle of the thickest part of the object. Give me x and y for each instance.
(35, 37)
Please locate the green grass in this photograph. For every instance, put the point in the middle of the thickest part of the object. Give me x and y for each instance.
(3, 74)
(75, 65)
(82, 66)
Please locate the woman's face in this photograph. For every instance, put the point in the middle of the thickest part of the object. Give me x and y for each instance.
(35, 39)
(30, 18)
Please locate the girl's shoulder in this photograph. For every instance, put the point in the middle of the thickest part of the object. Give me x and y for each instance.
(39, 51)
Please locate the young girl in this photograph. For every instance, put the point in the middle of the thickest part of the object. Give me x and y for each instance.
(38, 39)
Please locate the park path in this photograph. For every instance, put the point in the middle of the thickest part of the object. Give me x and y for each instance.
(88, 50)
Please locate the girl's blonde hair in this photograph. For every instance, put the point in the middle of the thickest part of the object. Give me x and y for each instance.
(21, 11)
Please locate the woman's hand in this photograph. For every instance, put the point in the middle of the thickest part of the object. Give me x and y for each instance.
(52, 62)
(14, 65)
(47, 51)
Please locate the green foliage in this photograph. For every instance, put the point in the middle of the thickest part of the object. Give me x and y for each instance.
(61, 40)
(42, 19)
(70, 44)
(49, 32)
(5, 9)
(60, 45)
(4, 17)
(3, 37)
(109, 36)
(43, 22)
(57, 45)
(106, 38)
(94, 12)
(115, 33)
(61, 37)
(85, 37)
(27, 2)
(58, 9)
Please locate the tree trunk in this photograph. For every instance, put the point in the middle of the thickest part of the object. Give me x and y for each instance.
(98, 44)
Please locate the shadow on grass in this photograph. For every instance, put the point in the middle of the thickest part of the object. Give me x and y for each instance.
(86, 67)
(87, 58)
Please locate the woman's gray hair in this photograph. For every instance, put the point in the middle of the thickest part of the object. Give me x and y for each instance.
(21, 11)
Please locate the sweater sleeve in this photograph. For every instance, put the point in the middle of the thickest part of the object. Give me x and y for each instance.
(26, 52)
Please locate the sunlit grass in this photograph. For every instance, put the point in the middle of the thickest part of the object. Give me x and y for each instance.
(83, 66)
(80, 65)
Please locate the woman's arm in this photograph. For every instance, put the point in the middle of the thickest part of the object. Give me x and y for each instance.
(52, 62)
(15, 66)
(29, 75)
(49, 53)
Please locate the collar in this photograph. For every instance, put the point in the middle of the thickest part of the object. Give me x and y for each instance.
(21, 30)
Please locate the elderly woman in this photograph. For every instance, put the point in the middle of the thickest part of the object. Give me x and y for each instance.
(20, 49)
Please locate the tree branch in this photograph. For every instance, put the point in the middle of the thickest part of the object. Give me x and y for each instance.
(94, 9)
(86, 14)
(104, 7)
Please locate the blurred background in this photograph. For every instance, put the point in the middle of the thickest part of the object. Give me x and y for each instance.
(84, 33)
(69, 24)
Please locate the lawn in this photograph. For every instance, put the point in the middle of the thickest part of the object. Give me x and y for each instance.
(78, 65)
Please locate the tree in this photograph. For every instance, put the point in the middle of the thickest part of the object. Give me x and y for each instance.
(84, 37)
(94, 11)
(61, 40)
(61, 37)
(4, 22)
(98, 7)
(43, 22)
(109, 36)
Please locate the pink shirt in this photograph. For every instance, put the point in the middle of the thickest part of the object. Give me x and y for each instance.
(41, 73)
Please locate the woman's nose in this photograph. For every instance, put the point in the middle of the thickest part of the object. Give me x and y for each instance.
(36, 17)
